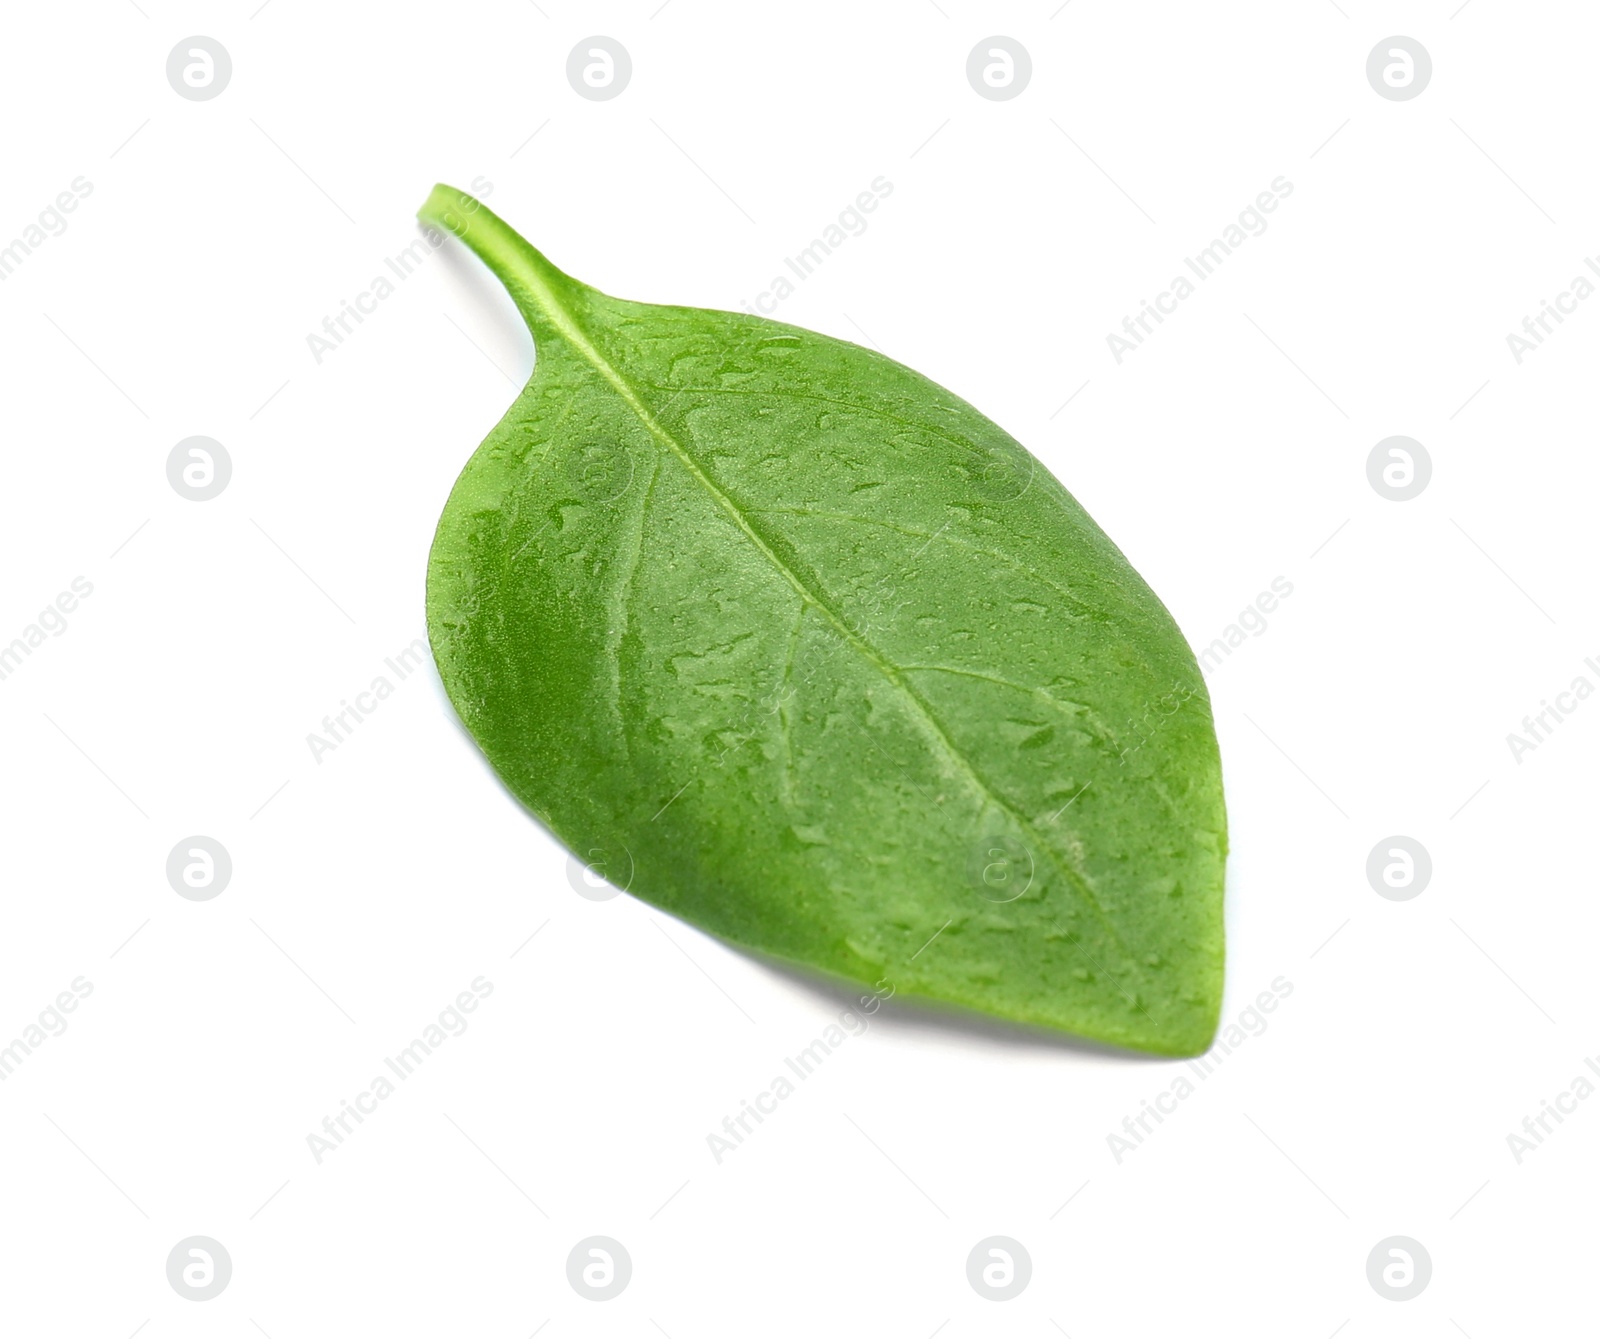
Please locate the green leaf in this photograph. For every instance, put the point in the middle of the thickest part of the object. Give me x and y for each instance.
(801, 648)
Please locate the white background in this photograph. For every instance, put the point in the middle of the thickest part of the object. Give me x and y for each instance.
(369, 889)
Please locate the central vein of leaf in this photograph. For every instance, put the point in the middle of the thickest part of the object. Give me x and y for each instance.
(561, 318)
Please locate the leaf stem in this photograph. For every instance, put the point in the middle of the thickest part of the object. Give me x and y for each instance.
(535, 285)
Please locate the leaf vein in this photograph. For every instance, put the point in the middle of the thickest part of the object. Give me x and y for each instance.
(1076, 600)
(568, 326)
(869, 410)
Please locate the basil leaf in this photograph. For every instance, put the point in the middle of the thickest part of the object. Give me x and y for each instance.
(831, 664)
